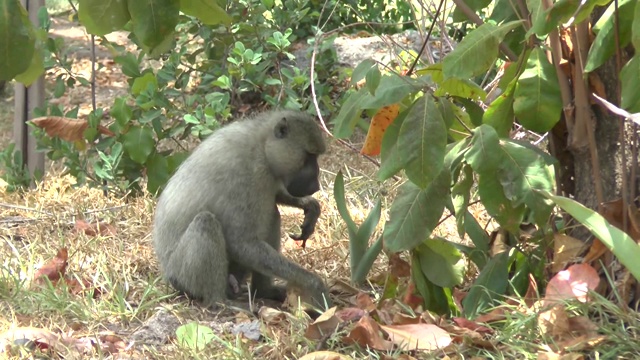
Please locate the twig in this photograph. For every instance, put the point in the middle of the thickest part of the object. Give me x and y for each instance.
(426, 39)
(18, 207)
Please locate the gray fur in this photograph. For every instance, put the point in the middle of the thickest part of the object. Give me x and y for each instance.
(218, 217)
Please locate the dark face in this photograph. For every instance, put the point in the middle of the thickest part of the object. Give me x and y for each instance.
(305, 182)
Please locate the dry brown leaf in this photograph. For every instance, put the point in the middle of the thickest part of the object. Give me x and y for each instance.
(365, 302)
(325, 324)
(271, 316)
(412, 298)
(472, 325)
(554, 322)
(565, 250)
(350, 314)
(575, 282)
(554, 356)
(398, 266)
(77, 287)
(325, 355)
(596, 250)
(101, 228)
(67, 129)
(111, 344)
(580, 343)
(418, 336)
(368, 333)
(54, 269)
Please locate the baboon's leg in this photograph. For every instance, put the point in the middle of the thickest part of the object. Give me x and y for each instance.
(199, 264)
(261, 284)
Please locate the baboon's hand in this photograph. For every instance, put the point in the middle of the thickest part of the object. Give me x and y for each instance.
(311, 215)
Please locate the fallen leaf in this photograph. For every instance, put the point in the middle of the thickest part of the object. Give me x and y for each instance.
(575, 282)
(398, 266)
(565, 250)
(418, 336)
(271, 316)
(111, 343)
(325, 324)
(98, 228)
(368, 333)
(350, 314)
(365, 302)
(54, 269)
(596, 250)
(554, 322)
(67, 129)
(325, 355)
(555, 356)
(472, 325)
(379, 124)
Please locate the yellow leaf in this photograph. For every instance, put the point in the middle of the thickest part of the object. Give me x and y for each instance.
(379, 124)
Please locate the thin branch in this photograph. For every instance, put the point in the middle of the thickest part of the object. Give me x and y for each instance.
(426, 39)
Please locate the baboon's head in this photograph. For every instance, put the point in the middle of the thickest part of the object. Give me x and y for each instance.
(292, 151)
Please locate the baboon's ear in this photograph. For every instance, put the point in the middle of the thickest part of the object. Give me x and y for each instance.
(282, 129)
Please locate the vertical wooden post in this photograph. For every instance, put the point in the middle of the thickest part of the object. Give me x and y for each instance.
(26, 100)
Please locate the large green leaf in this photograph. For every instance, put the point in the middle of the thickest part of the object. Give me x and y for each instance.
(537, 102)
(36, 66)
(441, 262)
(616, 240)
(17, 39)
(523, 172)
(415, 213)
(564, 10)
(460, 194)
(537, 10)
(193, 335)
(477, 52)
(391, 159)
(207, 11)
(392, 89)
(484, 155)
(497, 204)
(489, 287)
(361, 70)
(435, 297)
(157, 173)
(630, 78)
(635, 27)
(604, 45)
(154, 22)
(461, 87)
(422, 141)
(499, 114)
(349, 114)
(101, 17)
(139, 143)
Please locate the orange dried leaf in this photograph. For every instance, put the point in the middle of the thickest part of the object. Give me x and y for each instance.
(565, 250)
(325, 324)
(99, 228)
(367, 332)
(379, 124)
(55, 268)
(574, 282)
(71, 130)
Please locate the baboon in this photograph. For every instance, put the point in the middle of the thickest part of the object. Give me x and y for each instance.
(217, 218)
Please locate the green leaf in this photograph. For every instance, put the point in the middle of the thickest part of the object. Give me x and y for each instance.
(460, 194)
(154, 22)
(497, 204)
(17, 39)
(435, 298)
(474, 110)
(484, 155)
(422, 141)
(393, 89)
(604, 45)
(207, 11)
(174, 160)
(341, 204)
(157, 173)
(635, 27)
(130, 64)
(359, 274)
(477, 52)
(537, 102)
(142, 83)
(101, 17)
(523, 172)
(139, 143)
(121, 112)
(349, 114)
(194, 336)
(489, 287)
(441, 263)
(538, 23)
(190, 119)
(616, 240)
(499, 114)
(630, 78)
(36, 66)
(373, 79)
(564, 10)
(361, 70)
(463, 88)
(415, 213)
(391, 159)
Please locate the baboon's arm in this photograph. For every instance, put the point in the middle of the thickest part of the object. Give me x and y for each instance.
(311, 209)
